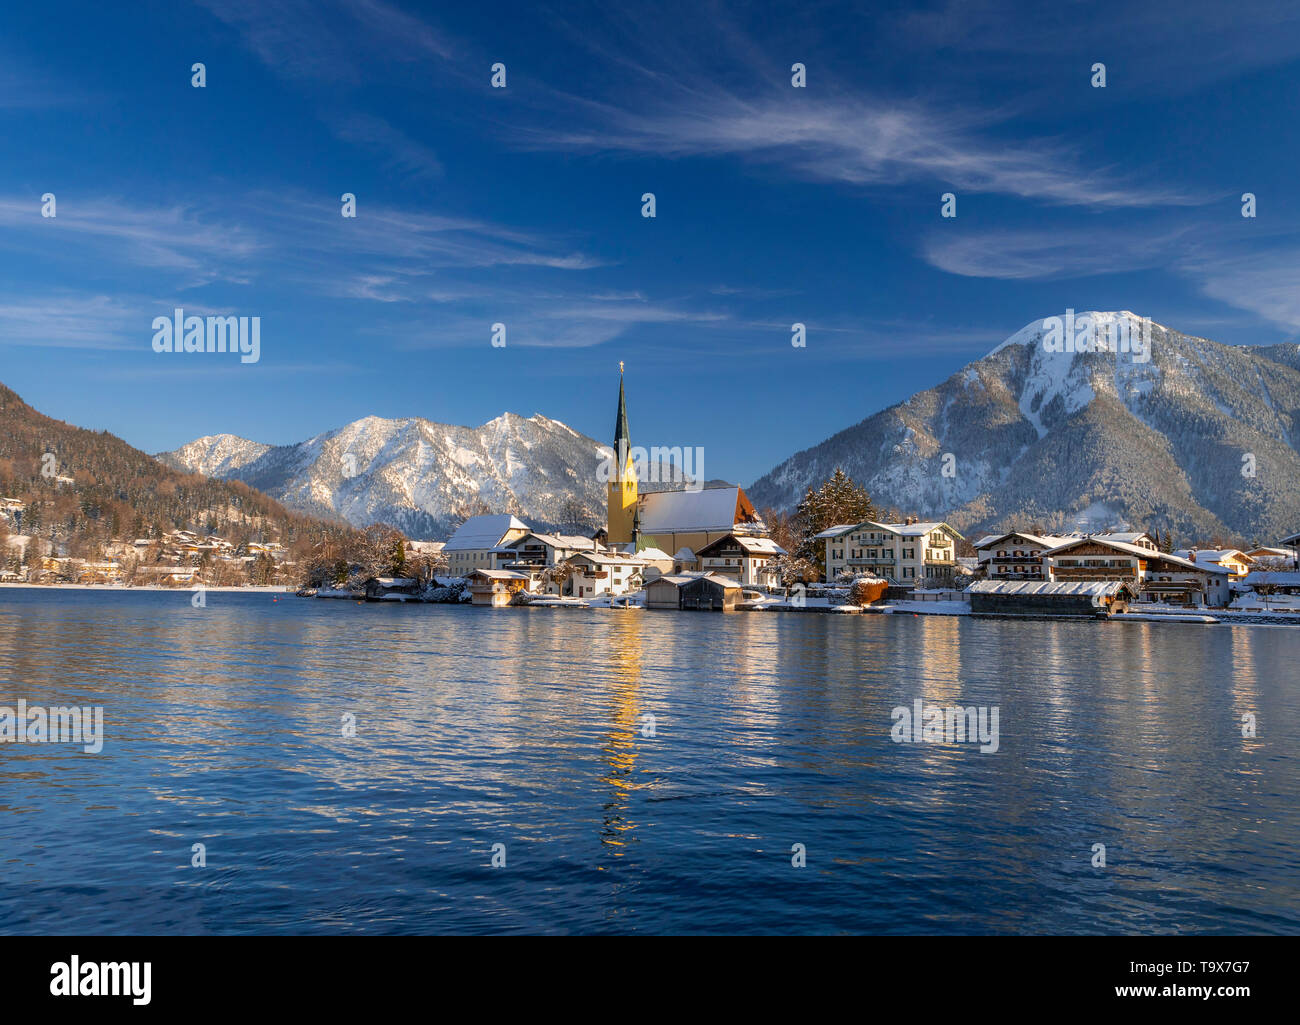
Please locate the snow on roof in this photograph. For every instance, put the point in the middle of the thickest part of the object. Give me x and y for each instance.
(1094, 588)
(1142, 553)
(665, 512)
(479, 532)
(676, 579)
(1127, 536)
(837, 530)
(752, 545)
(575, 541)
(499, 574)
(1292, 539)
(1289, 578)
(913, 529)
(1046, 540)
(684, 554)
(655, 555)
(1208, 554)
(609, 558)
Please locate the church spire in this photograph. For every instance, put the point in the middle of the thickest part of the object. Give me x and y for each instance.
(624, 523)
(622, 437)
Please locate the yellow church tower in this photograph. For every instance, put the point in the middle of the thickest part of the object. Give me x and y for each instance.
(623, 518)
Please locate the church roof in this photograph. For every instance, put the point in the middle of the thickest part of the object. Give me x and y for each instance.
(667, 512)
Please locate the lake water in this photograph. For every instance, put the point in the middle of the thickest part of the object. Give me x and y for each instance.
(519, 727)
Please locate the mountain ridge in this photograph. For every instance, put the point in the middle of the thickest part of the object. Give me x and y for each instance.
(1084, 439)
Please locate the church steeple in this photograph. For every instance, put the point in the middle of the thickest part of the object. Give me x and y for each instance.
(622, 436)
(623, 525)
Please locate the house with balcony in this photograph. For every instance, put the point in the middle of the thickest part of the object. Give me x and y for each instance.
(904, 553)
(749, 561)
(603, 572)
(537, 550)
(1154, 575)
(1016, 555)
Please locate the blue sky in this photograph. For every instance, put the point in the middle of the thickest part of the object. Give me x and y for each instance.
(522, 205)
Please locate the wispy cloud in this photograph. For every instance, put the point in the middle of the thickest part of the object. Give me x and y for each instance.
(866, 142)
(173, 237)
(1051, 252)
(379, 254)
(69, 320)
(401, 152)
(330, 40)
(552, 320)
(1264, 283)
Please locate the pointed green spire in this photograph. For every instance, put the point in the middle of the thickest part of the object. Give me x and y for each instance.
(622, 437)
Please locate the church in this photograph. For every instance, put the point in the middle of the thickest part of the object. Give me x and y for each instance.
(670, 520)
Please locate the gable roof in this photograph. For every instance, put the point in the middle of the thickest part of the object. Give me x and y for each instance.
(1140, 552)
(668, 512)
(1046, 540)
(483, 532)
(836, 531)
(1215, 555)
(751, 545)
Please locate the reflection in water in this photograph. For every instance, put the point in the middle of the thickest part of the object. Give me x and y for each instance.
(523, 726)
(621, 743)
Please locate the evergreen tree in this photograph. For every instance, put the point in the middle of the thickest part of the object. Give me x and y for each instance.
(838, 500)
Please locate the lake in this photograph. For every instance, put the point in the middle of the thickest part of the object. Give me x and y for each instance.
(527, 728)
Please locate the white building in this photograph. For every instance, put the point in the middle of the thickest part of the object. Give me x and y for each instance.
(903, 553)
(603, 572)
(1156, 575)
(1015, 555)
(1238, 563)
(747, 560)
(471, 547)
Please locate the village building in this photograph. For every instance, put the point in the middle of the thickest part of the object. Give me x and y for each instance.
(665, 592)
(534, 549)
(684, 561)
(904, 553)
(1281, 558)
(1154, 575)
(495, 587)
(604, 572)
(1237, 563)
(657, 561)
(471, 547)
(710, 593)
(749, 560)
(1078, 598)
(1015, 555)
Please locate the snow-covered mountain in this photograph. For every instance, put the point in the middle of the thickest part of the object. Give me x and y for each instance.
(217, 455)
(422, 477)
(1198, 437)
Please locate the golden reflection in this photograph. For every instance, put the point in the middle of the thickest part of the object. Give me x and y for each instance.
(620, 748)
